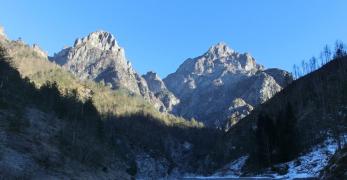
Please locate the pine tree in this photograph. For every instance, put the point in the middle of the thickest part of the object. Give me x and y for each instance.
(265, 138)
(286, 127)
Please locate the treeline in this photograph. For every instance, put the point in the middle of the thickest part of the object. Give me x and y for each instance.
(330, 87)
(314, 63)
(307, 112)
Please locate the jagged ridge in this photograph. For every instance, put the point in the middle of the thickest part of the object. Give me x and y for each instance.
(99, 57)
(211, 86)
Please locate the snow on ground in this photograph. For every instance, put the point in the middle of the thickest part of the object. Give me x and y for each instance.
(310, 164)
(233, 169)
(305, 166)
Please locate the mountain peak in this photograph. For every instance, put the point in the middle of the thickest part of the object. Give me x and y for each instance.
(99, 39)
(152, 74)
(221, 49)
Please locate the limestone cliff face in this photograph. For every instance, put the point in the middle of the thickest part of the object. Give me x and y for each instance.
(222, 84)
(99, 57)
(205, 88)
(157, 86)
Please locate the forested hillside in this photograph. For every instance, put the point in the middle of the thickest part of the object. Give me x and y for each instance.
(72, 132)
(307, 112)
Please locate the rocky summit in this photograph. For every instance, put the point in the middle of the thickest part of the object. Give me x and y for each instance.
(99, 57)
(219, 85)
(223, 84)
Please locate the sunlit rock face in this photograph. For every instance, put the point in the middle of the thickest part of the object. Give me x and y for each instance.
(209, 85)
(3, 36)
(37, 49)
(157, 86)
(204, 88)
(99, 57)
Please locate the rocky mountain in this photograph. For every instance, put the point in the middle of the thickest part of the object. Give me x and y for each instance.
(99, 57)
(222, 84)
(49, 131)
(211, 88)
(56, 126)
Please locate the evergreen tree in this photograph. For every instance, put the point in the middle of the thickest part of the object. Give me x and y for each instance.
(265, 138)
(51, 94)
(287, 141)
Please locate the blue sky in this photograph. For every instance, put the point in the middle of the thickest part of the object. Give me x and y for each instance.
(159, 35)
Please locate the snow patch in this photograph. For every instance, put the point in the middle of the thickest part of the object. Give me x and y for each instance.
(310, 164)
(231, 170)
(307, 165)
(234, 168)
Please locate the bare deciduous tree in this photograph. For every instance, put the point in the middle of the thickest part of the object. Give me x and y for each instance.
(326, 54)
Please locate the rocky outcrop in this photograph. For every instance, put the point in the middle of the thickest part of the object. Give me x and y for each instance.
(99, 57)
(223, 84)
(157, 86)
(2, 33)
(148, 166)
(337, 166)
(40, 52)
(238, 110)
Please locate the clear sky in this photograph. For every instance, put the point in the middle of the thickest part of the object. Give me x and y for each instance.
(159, 35)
